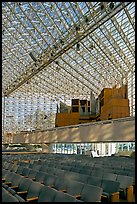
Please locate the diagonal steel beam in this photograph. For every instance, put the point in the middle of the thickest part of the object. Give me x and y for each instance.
(102, 18)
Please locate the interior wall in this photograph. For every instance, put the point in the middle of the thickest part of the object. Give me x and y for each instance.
(111, 131)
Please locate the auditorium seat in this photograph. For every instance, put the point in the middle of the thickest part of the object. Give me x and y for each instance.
(23, 187)
(110, 191)
(78, 177)
(59, 172)
(33, 190)
(16, 181)
(20, 170)
(93, 180)
(19, 198)
(60, 184)
(40, 176)
(73, 187)
(36, 167)
(85, 171)
(63, 197)
(8, 178)
(8, 197)
(49, 180)
(46, 194)
(75, 169)
(32, 174)
(97, 173)
(126, 187)
(10, 166)
(90, 193)
(51, 170)
(109, 176)
(67, 168)
(14, 168)
(25, 171)
(43, 168)
(4, 173)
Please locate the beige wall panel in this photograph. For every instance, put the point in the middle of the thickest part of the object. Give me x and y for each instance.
(52, 136)
(112, 131)
(38, 137)
(19, 138)
(69, 134)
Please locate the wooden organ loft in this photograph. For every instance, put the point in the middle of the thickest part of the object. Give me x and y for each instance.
(111, 103)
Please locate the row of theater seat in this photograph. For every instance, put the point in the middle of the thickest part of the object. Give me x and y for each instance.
(79, 158)
(60, 169)
(9, 197)
(32, 190)
(53, 161)
(108, 185)
(80, 165)
(84, 168)
(87, 168)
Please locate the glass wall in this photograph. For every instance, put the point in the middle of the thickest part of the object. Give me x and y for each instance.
(97, 149)
(26, 112)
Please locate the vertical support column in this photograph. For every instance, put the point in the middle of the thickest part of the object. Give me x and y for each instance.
(90, 102)
(3, 139)
(50, 120)
(109, 149)
(122, 146)
(113, 148)
(98, 149)
(50, 148)
(128, 146)
(132, 92)
(45, 113)
(103, 149)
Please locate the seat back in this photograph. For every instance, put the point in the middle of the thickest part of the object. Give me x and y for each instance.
(74, 187)
(47, 194)
(31, 166)
(36, 167)
(25, 171)
(8, 197)
(24, 184)
(20, 169)
(85, 171)
(59, 172)
(4, 173)
(43, 168)
(81, 177)
(91, 193)
(49, 179)
(67, 168)
(10, 166)
(110, 186)
(125, 181)
(97, 173)
(60, 183)
(9, 176)
(32, 173)
(20, 199)
(109, 176)
(75, 169)
(51, 170)
(63, 197)
(16, 180)
(95, 181)
(40, 176)
(34, 189)
(14, 168)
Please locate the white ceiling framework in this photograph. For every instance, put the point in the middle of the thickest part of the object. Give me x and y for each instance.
(66, 48)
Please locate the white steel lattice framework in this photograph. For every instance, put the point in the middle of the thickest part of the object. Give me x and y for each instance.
(53, 51)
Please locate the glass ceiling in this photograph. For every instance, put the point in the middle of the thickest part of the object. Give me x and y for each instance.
(67, 48)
